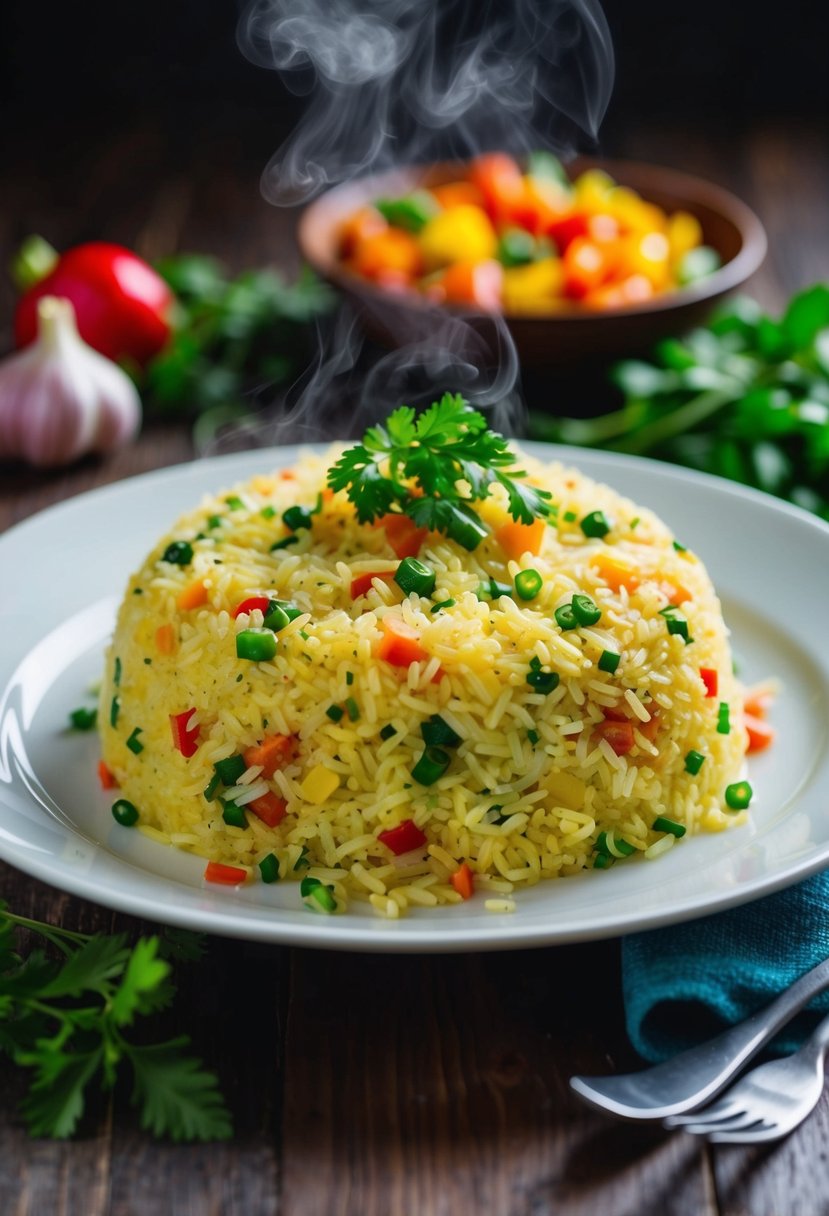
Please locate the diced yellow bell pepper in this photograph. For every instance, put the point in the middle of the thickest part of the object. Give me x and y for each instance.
(534, 288)
(565, 789)
(319, 784)
(463, 233)
(646, 254)
(591, 191)
(633, 213)
(684, 233)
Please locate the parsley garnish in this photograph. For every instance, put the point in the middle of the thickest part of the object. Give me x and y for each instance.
(66, 1021)
(446, 444)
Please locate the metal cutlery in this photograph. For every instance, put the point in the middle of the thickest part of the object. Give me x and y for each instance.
(695, 1076)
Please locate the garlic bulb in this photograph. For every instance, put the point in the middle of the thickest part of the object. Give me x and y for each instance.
(60, 399)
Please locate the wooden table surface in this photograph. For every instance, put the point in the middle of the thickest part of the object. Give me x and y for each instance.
(369, 1085)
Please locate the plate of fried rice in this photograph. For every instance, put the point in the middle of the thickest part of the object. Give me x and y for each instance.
(308, 729)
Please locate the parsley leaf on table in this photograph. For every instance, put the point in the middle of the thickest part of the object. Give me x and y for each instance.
(63, 1020)
(449, 443)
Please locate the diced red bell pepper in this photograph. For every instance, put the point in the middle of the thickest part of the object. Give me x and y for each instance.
(709, 678)
(402, 533)
(270, 809)
(619, 735)
(254, 601)
(271, 753)
(185, 739)
(402, 839)
(760, 734)
(362, 583)
(105, 777)
(228, 876)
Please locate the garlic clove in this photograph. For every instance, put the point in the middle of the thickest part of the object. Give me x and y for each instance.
(59, 399)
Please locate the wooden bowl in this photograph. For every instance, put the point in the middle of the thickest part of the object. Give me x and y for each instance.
(566, 337)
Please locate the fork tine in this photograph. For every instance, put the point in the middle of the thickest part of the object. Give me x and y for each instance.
(750, 1135)
(723, 1109)
(744, 1121)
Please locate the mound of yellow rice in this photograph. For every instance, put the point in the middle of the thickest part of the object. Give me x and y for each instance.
(541, 783)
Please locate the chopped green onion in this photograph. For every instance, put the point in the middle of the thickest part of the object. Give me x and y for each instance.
(125, 813)
(317, 896)
(432, 764)
(335, 712)
(268, 512)
(83, 719)
(738, 795)
(210, 790)
(288, 607)
(533, 736)
(353, 709)
(585, 610)
(676, 623)
(283, 544)
(235, 503)
(603, 861)
(723, 719)
(634, 523)
(349, 677)
(302, 861)
(114, 710)
(443, 604)
(178, 553)
(116, 672)
(565, 617)
(214, 521)
(230, 769)
(542, 681)
(606, 842)
(134, 744)
(438, 733)
(387, 732)
(660, 824)
(257, 645)
(609, 661)
(679, 548)
(694, 762)
(528, 583)
(596, 524)
(296, 517)
(233, 815)
(414, 575)
(276, 617)
(269, 868)
(493, 590)
(570, 517)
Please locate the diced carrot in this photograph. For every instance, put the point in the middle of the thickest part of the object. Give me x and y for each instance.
(273, 752)
(165, 639)
(193, 596)
(392, 249)
(498, 177)
(463, 881)
(615, 572)
(760, 734)
(648, 729)
(365, 223)
(710, 679)
(363, 582)
(106, 777)
(673, 591)
(457, 194)
(228, 876)
(400, 644)
(477, 284)
(618, 734)
(757, 702)
(516, 538)
(402, 534)
(287, 475)
(270, 809)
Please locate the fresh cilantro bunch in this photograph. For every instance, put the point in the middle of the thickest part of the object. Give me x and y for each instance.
(746, 397)
(448, 443)
(66, 1021)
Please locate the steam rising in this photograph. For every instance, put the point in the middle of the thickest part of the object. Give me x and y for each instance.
(405, 81)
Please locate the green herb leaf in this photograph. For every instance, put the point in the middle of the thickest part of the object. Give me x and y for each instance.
(176, 1096)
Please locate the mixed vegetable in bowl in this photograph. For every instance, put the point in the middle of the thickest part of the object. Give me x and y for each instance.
(533, 242)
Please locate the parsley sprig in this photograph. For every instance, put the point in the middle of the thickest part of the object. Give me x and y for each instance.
(66, 1021)
(447, 444)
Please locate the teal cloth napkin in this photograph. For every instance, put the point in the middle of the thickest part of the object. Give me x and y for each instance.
(685, 983)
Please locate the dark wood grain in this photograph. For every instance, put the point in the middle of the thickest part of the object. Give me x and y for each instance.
(370, 1085)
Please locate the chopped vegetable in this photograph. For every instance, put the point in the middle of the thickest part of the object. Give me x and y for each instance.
(609, 661)
(387, 732)
(565, 617)
(233, 815)
(178, 553)
(335, 713)
(661, 824)
(403, 535)
(251, 604)
(432, 764)
(585, 610)
(710, 679)
(352, 709)
(364, 582)
(228, 876)
(443, 604)
(114, 711)
(105, 777)
(723, 719)
(694, 761)
(738, 795)
(400, 644)
(212, 786)
(448, 444)
(125, 813)
(134, 743)
(760, 734)
(493, 590)
(319, 784)
(463, 881)
(274, 751)
(165, 639)
(269, 868)
(83, 719)
(596, 524)
(230, 769)
(317, 896)
(269, 808)
(615, 572)
(185, 738)
(296, 518)
(256, 645)
(527, 584)
(406, 837)
(413, 575)
(517, 538)
(542, 681)
(192, 596)
(619, 735)
(284, 543)
(438, 733)
(676, 623)
(533, 736)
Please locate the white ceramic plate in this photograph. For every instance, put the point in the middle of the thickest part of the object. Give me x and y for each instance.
(62, 573)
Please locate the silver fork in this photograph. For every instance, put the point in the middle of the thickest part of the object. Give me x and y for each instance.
(768, 1102)
(695, 1076)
